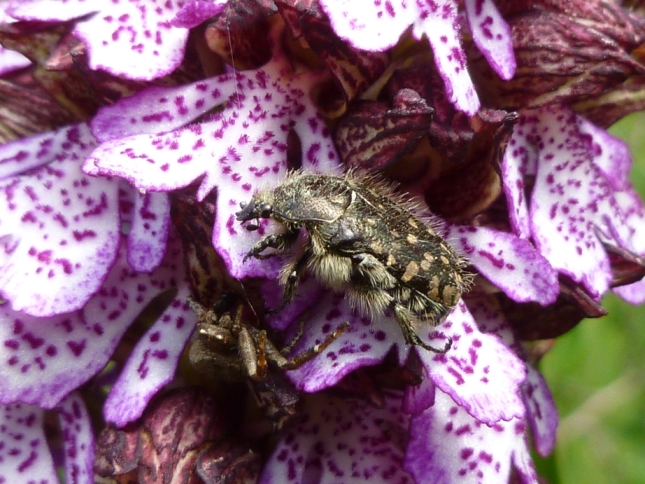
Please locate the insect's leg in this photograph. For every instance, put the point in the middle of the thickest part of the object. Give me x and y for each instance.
(253, 356)
(292, 281)
(275, 241)
(296, 337)
(411, 337)
(310, 353)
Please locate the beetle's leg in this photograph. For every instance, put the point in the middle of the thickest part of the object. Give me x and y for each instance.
(411, 337)
(291, 281)
(279, 242)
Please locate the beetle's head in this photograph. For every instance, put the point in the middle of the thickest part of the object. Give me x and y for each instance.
(254, 210)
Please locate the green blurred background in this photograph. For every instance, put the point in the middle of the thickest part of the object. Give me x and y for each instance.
(597, 375)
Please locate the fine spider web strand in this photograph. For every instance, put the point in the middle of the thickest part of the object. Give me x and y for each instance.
(238, 94)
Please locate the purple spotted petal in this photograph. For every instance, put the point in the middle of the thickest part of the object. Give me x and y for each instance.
(59, 230)
(194, 12)
(24, 455)
(479, 372)
(78, 439)
(309, 294)
(634, 210)
(520, 159)
(511, 263)
(129, 39)
(19, 156)
(580, 193)
(238, 150)
(152, 363)
(541, 413)
(610, 154)
(378, 26)
(343, 441)
(149, 233)
(418, 398)
(362, 24)
(162, 109)
(632, 293)
(448, 445)
(365, 342)
(492, 36)
(571, 200)
(42, 360)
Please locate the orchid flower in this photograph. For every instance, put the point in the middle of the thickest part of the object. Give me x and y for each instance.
(146, 124)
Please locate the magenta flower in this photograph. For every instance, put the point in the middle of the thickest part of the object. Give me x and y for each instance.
(122, 218)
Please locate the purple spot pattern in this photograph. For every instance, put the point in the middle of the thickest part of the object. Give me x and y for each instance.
(449, 445)
(573, 202)
(511, 263)
(24, 455)
(21, 155)
(42, 360)
(149, 233)
(480, 372)
(238, 150)
(161, 109)
(365, 342)
(78, 439)
(492, 36)
(128, 39)
(58, 230)
(541, 414)
(377, 26)
(153, 361)
(343, 441)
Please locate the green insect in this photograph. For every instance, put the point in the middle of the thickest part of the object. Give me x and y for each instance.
(364, 240)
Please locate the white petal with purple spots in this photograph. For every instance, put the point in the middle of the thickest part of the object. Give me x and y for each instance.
(342, 441)
(509, 262)
(237, 150)
(42, 360)
(492, 36)
(131, 39)
(447, 445)
(377, 26)
(365, 342)
(570, 201)
(152, 363)
(149, 233)
(59, 231)
(78, 439)
(540, 411)
(24, 454)
(479, 372)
